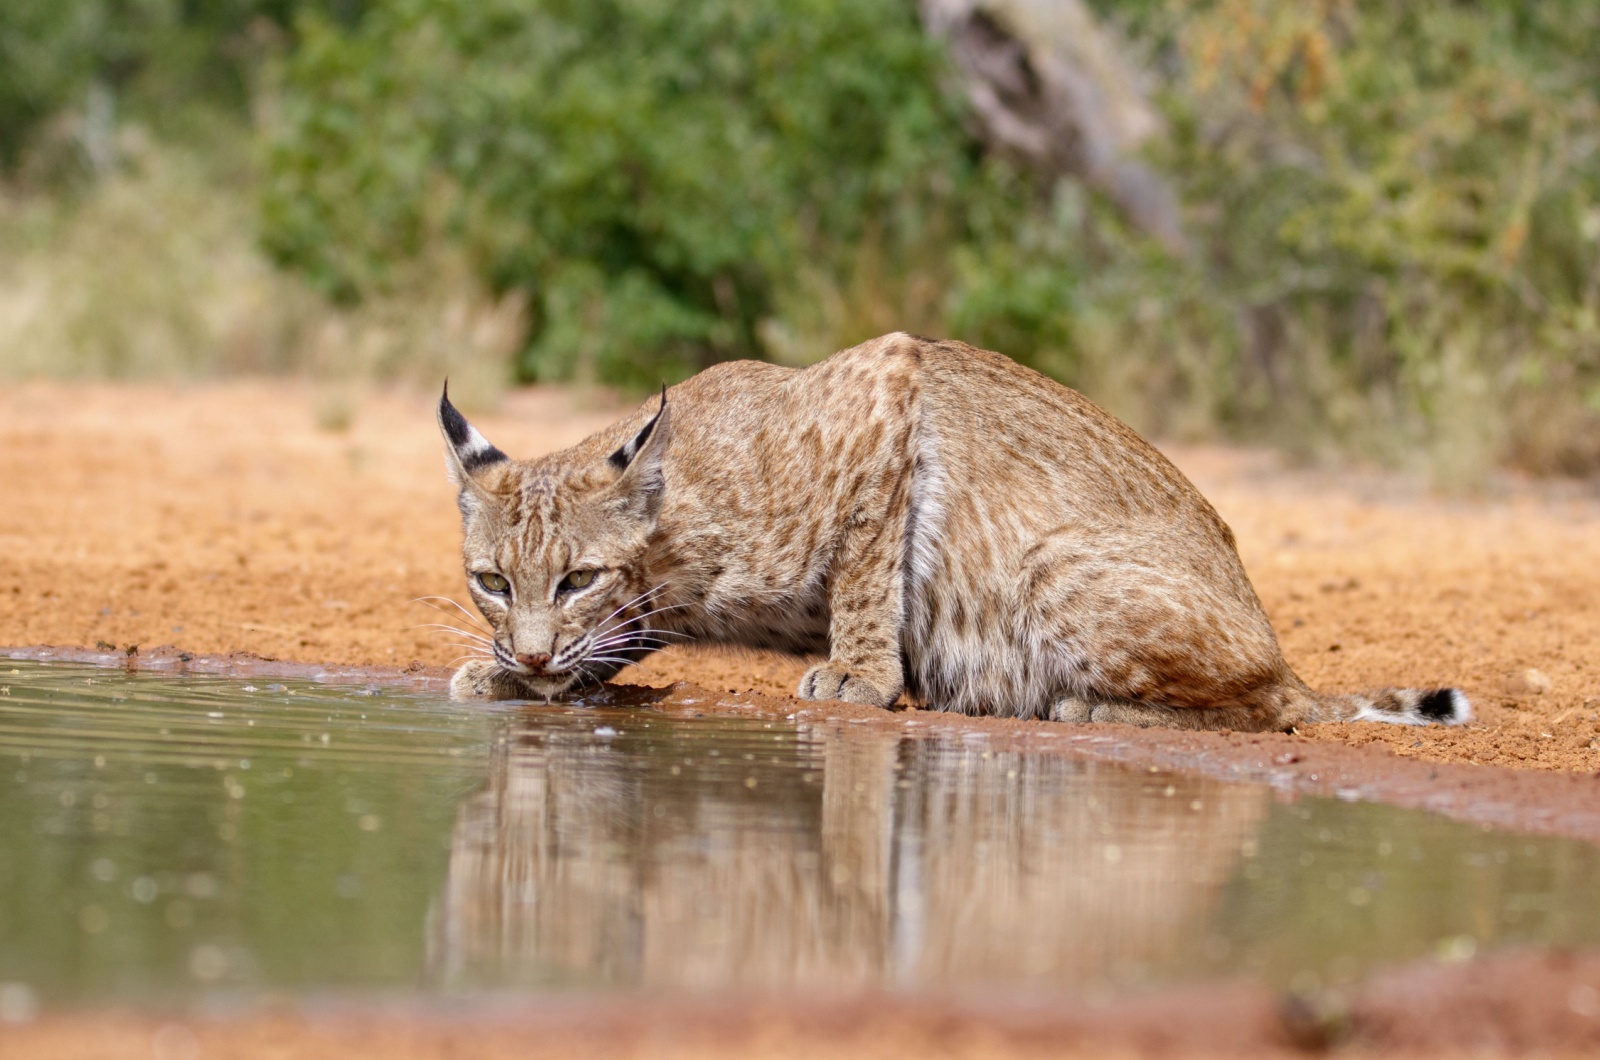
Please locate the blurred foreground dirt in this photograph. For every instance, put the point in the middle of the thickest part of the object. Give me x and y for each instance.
(1516, 1004)
(220, 518)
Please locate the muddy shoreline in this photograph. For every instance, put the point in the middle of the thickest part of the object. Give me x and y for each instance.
(1536, 802)
(1513, 1003)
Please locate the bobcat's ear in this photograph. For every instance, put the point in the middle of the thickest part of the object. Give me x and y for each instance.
(466, 451)
(639, 462)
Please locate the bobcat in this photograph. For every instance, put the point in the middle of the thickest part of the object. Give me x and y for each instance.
(933, 518)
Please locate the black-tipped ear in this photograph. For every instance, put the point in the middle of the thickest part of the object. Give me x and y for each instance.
(469, 451)
(624, 456)
(642, 481)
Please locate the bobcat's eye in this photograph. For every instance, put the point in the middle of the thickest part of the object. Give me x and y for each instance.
(576, 579)
(492, 582)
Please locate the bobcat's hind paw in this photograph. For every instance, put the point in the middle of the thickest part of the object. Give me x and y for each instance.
(828, 682)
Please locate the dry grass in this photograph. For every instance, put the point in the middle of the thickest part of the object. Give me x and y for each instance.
(153, 272)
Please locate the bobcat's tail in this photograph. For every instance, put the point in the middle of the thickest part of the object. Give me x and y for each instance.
(1397, 706)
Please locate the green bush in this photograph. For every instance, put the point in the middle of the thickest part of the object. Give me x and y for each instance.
(1399, 205)
(655, 173)
(159, 61)
(1395, 208)
(45, 59)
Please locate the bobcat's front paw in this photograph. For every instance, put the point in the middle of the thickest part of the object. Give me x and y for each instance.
(484, 679)
(828, 682)
(478, 679)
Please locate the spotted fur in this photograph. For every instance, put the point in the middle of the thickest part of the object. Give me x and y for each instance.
(932, 518)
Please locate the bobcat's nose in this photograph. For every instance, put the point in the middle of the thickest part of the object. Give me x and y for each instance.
(536, 661)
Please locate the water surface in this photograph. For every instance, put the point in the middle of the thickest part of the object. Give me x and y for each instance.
(183, 839)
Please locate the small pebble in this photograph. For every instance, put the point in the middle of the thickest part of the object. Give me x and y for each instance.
(1527, 683)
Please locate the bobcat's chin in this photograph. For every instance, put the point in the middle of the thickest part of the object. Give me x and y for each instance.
(483, 679)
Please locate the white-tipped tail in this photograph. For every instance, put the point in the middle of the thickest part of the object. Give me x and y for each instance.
(1398, 706)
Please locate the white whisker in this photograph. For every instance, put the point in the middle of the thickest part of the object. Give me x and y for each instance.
(453, 633)
(641, 598)
(657, 611)
(616, 636)
(646, 632)
(642, 617)
(639, 639)
(620, 660)
(440, 627)
(643, 665)
(470, 617)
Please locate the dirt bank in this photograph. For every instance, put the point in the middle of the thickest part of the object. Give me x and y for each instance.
(219, 518)
(1514, 1004)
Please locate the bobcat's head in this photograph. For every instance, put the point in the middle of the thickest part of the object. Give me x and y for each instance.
(553, 550)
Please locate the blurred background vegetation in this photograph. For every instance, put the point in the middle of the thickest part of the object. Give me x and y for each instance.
(1390, 211)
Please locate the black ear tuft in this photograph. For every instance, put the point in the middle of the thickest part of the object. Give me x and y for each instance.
(456, 427)
(624, 456)
(472, 450)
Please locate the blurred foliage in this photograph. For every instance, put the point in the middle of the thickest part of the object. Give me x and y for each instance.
(158, 60)
(1400, 209)
(151, 271)
(653, 172)
(128, 228)
(1395, 205)
(1394, 208)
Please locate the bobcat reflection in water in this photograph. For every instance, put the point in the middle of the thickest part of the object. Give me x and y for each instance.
(667, 856)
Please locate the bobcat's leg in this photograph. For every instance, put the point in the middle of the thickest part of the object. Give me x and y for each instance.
(864, 599)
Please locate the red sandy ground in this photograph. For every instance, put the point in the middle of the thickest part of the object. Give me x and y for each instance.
(217, 518)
